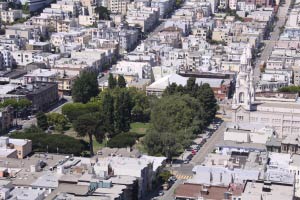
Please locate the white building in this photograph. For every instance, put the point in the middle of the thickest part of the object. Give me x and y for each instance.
(10, 16)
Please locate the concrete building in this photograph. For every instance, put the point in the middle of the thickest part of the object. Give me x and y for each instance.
(15, 148)
(10, 16)
(118, 6)
(262, 190)
(42, 95)
(40, 75)
(144, 17)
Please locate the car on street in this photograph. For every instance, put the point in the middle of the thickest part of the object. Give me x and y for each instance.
(186, 161)
(161, 193)
(173, 178)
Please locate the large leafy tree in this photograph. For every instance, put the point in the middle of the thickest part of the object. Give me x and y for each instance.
(42, 121)
(57, 120)
(85, 87)
(174, 121)
(89, 125)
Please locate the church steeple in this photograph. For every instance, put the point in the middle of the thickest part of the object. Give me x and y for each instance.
(245, 90)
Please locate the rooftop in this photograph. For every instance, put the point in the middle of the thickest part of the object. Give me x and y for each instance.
(259, 190)
(194, 191)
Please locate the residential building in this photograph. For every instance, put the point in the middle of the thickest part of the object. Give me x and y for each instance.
(40, 75)
(144, 17)
(15, 148)
(118, 6)
(10, 16)
(42, 95)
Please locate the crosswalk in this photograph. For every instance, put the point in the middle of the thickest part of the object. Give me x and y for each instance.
(181, 176)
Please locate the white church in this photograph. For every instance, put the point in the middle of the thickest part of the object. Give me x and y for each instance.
(280, 113)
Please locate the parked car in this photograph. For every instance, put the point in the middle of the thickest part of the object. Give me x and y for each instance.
(19, 127)
(161, 193)
(173, 178)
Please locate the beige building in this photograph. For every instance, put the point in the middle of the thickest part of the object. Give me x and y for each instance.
(86, 20)
(118, 6)
(220, 34)
(10, 16)
(15, 148)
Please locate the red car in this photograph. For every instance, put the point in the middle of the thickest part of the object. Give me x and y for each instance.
(194, 152)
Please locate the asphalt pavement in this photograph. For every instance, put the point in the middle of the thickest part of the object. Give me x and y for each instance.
(274, 36)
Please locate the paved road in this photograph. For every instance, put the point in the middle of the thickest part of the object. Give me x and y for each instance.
(282, 17)
(169, 194)
(209, 146)
(184, 171)
(55, 109)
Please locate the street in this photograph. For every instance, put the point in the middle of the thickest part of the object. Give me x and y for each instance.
(269, 44)
(57, 109)
(184, 171)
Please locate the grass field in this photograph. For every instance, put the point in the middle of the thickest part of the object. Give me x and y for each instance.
(140, 128)
(137, 127)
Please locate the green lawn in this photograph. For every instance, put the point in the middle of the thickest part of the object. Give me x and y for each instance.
(139, 127)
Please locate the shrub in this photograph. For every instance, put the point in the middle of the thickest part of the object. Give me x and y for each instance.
(40, 141)
(123, 140)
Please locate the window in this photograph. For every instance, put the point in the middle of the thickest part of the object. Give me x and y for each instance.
(240, 118)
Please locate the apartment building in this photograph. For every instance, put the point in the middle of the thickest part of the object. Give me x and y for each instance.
(10, 15)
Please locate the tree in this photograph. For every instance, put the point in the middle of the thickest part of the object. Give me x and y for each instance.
(25, 8)
(52, 143)
(103, 13)
(112, 82)
(107, 109)
(123, 140)
(121, 82)
(42, 121)
(74, 110)
(85, 87)
(291, 89)
(164, 143)
(89, 125)
(122, 111)
(208, 102)
(57, 120)
(175, 112)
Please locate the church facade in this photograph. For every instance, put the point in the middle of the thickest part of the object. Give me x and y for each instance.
(282, 116)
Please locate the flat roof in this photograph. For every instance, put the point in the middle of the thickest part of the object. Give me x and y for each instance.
(254, 191)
